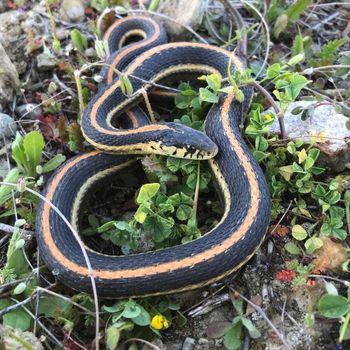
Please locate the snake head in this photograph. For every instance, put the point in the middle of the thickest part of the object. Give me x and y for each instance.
(181, 141)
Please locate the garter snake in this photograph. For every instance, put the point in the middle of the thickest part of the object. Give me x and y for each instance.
(239, 178)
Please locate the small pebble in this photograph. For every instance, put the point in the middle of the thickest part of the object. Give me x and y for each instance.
(72, 11)
(45, 62)
(29, 111)
(8, 126)
(188, 344)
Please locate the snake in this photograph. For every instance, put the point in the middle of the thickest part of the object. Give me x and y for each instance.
(238, 177)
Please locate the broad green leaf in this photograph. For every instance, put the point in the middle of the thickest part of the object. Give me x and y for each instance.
(140, 215)
(313, 244)
(273, 71)
(292, 248)
(53, 163)
(253, 331)
(112, 337)
(131, 309)
(147, 192)
(302, 156)
(143, 319)
(160, 227)
(33, 144)
(286, 172)
(232, 339)
(298, 232)
(207, 96)
(333, 306)
(18, 318)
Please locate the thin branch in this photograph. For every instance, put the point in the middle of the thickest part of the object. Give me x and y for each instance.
(273, 104)
(10, 229)
(263, 315)
(82, 247)
(268, 40)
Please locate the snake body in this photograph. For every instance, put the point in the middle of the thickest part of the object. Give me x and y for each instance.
(239, 178)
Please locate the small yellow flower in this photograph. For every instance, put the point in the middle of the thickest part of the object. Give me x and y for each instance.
(269, 117)
(160, 322)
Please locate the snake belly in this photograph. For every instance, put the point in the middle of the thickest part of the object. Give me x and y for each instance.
(240, 180)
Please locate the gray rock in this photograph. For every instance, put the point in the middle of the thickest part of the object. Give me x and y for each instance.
(188, 13)
(72, 11)
(9, 79)
(188, 344)
(29, 111)
(174, 345)
(14, 29)
(324, 121)
(8, 126)
(45, 62)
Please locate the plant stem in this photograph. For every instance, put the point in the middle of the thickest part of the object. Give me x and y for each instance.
(193, 219)
(56, 42)
(80, 91)
(273, 104)
(344, 327)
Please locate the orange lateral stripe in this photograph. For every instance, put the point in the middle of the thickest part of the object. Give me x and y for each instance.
(169, 266)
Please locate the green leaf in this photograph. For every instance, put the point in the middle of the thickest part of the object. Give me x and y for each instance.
(147, 192)
(232, 339)
(112, 337)
(153, 5)
(280, 25)
(299, 233)
(18, 153)
(207, 96)
(131, 309)
(79, 40)
(18, 318)
(296, 59)
(53, 306)
(53, 163)
(329, 49)
(20, 288)
(159, 226)
(33, 144)
(333, 306)
(286, 172)
(313, 244)
(331, 288)
(143, 319)
(5, 191)
(213, 81)
(183, 212)
(253, 331)
(125, 85)
(273, 71)
(298, 45)
(292, 248)
(297, 8)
